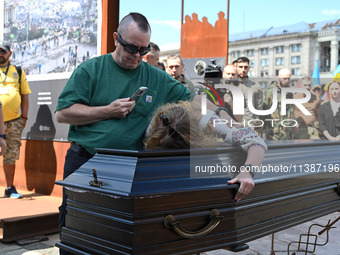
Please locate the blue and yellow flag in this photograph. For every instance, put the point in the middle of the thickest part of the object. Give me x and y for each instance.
(316, 75)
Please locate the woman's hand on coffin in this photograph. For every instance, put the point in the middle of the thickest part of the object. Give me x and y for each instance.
(246, 184)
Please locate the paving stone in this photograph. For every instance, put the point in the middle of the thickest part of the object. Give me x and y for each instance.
(49, 251)
(13, 252)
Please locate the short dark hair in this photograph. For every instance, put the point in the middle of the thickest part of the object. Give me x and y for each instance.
(242, 59)
(154, 47)
(161, 65)
(174, 56)
(140, 19)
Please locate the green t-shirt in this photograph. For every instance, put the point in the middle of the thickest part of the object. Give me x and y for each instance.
(99, 82)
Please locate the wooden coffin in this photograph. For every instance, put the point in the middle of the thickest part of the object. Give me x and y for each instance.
(152, 202)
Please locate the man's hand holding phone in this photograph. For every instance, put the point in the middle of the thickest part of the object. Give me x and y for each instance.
(120, 108)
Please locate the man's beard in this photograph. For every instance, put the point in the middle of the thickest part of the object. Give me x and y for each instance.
(3, 60)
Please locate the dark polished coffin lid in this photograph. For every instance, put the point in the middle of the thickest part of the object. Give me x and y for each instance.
(151, 203)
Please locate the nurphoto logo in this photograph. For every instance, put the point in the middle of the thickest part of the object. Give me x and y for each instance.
(238, 105)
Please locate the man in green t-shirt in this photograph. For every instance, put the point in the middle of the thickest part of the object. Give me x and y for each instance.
(96, 99)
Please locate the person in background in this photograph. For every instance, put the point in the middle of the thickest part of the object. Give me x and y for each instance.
(175, 67)
(153, 55)
(229, 77)
(275, 131)
(14, 95)
(161, 66)
(317, 91)
(329, 118)
(245, 84)
(229, 72)
(308, 124)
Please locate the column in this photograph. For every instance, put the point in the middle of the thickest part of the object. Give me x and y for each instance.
(257, 53)
(334, 55)
(271, 67)
(317, 54)
(287, 57)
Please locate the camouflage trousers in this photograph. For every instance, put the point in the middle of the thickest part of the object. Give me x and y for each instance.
(13, 131)
(278, 133)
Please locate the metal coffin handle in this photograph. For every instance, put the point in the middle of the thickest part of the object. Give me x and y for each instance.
(171, 223)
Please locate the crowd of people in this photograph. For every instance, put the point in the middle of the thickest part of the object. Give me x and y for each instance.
(292, 122)
(290, 125)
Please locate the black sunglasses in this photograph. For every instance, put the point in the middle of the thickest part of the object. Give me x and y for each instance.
(133, 49)
(3, 52)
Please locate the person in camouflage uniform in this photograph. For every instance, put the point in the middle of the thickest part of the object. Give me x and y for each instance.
(274, 130)
(242, 67)
(175, 67)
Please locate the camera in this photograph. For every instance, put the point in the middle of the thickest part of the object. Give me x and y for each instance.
(213, 73)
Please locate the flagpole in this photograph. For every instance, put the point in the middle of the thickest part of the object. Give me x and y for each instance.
(316, 74)
(182, 14)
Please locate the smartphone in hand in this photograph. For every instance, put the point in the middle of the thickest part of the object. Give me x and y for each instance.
(140, 92)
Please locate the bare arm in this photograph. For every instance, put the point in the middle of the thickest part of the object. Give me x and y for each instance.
(254, 157)
(2, 131)
(337, 138)
(24, 107)
(79, 114)
(250, 142)
(328, 135)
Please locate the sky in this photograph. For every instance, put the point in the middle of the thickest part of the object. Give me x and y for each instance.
(247, 15)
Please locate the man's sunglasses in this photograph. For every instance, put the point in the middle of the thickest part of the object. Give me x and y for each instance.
(3, 52)
(133, 49)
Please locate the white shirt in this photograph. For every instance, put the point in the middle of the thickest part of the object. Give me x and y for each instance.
(335, 106)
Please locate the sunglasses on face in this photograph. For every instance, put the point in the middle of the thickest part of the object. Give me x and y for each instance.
(3, 52)
(133, 49)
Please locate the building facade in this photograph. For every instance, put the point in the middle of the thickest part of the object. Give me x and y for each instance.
(296, 47)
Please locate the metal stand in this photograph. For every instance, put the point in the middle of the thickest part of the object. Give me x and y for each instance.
(272, 252)
(309, 246)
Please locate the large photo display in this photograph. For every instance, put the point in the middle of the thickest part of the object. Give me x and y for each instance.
(48, 36)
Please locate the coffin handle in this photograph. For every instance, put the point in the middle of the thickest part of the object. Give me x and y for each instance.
(170, 222)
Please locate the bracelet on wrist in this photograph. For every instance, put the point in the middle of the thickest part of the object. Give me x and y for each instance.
(24, 117)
